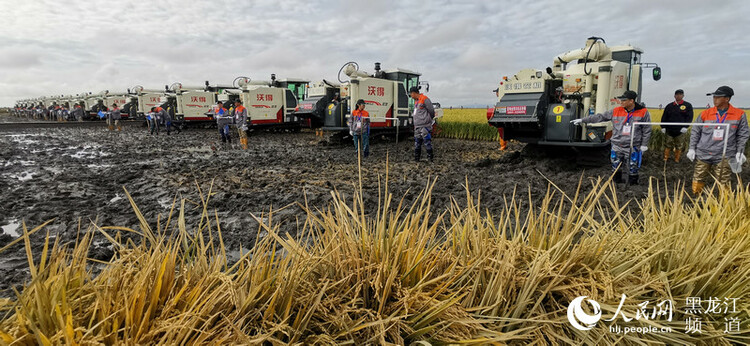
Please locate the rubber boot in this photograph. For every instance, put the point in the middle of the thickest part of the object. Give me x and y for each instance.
(617, 178)
(417, 154)
(503, 144)
(111, 128)
(243, 142)
(429, 155)
(698, 187)
(119, 128)
(633, 179)
(677, 154)
(667, 152)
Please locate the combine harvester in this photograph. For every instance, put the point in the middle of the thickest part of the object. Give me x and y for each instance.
(95, 103)
(121, 99)
(142, 100)
(189, 104)
(329, 105)
(536, 106)
(272, 104)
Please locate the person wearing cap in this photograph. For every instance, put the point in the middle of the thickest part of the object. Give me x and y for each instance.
(114, 118)
(622, 118)
(424, 115)
(679, 111)
(359, 128)
(162, 116)
(240, 118)
(707, 141)
(223, 120)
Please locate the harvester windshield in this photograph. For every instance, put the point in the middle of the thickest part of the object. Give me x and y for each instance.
(298, 89)
(408, 80)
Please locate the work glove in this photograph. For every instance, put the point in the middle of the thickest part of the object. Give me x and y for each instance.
(663, 130)
(691, 155)
(351, 133)
(644, 148)
(741, 158)
(683, 130)
(576, 121)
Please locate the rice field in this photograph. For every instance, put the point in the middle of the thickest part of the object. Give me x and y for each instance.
(403, 275)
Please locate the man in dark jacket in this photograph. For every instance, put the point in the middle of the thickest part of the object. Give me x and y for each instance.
(678, 111)
(423, 118)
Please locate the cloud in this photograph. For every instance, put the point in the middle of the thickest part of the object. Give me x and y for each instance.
(462, 47)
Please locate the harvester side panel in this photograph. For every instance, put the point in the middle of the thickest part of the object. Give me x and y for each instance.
(193, 105)
(147, 101)
(378, 95)
(264, 105)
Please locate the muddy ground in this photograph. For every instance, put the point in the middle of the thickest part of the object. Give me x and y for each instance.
(77, 175)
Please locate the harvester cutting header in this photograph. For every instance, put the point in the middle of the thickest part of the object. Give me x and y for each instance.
(536, 106)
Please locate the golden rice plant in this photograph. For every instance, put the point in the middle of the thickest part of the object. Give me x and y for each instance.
(394, 273)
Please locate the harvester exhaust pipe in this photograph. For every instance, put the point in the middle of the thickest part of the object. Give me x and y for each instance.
(378, 72)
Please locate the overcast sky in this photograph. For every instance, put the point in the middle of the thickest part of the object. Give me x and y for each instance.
(462, 48)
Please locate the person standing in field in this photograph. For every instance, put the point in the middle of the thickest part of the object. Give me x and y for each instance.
(240, 118)
(222, 122)
(707, 141)
(679, 111)
(359, 128)
(78, 112)
(622, 118)
(114, 118)
(424, 115)
(153, 122)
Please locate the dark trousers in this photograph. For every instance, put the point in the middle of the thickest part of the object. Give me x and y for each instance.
(224, 133)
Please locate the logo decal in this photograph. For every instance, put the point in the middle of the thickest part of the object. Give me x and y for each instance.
(576, 313)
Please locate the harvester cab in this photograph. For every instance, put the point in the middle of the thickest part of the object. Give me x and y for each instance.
(384, 93)
(272, 103)
(189, 104)
(537, 106)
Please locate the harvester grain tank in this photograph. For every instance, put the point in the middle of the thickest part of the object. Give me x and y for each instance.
(190, 104)
(537, 106)
(272, 103)
(121, 99)
(142, 100)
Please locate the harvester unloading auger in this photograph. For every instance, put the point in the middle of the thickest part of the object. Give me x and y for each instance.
(328, 104)
(537, 107)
